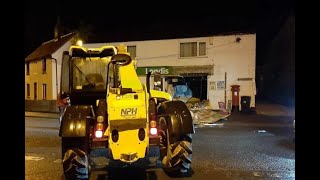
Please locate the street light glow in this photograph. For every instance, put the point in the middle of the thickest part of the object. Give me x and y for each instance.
(79, 42)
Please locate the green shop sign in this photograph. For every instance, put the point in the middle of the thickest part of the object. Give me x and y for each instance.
(163, 70)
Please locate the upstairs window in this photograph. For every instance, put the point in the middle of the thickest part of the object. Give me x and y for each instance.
(44, 66)
(193, 49)
(133, 51)
(28, 68)
(202, 49)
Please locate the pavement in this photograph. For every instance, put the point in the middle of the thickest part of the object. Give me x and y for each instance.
(271, 109)
(42, 114)
(268, 109)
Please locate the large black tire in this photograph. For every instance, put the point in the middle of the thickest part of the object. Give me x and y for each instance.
(75, 158)
(76, 164)
(176, 156)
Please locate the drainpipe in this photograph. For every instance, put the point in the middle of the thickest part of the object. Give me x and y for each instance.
(225, 88)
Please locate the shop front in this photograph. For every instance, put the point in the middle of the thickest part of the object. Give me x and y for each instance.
(193, 79)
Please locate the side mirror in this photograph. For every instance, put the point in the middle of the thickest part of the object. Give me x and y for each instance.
(65, 72)
(121, 59)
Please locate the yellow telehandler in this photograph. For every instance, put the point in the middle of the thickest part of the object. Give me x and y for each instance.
(110, 108)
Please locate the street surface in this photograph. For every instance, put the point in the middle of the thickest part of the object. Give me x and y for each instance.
(245, 146)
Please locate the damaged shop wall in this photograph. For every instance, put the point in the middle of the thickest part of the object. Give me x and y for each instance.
(201, 111)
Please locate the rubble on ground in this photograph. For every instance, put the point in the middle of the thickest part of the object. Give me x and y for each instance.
(202, 113)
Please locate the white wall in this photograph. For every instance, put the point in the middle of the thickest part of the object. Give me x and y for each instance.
(236, 59)
(58, 55)
(160, 52)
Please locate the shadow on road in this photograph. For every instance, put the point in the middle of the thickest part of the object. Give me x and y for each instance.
(136, 173)
(126, 173)
(183, 175)
(287, 143)
(121, 173)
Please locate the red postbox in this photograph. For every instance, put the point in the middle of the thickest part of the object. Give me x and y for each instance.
(235, 97)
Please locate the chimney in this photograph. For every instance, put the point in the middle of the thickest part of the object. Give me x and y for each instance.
(57, 29)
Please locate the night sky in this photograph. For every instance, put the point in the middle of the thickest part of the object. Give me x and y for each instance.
(265, 18)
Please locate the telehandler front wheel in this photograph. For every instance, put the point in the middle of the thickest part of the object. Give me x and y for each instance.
(176, 156)
(75, 158)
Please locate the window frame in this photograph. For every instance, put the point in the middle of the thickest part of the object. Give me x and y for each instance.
(28, 68)
(44, 66)
(135, 54)
(44, 91)
(205, 48)
(35, 93)
(28, 90)
(198, 49)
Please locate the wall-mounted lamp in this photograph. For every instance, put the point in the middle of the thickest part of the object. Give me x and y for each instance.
(238, 39)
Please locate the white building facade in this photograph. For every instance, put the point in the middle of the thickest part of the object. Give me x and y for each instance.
(43, 74)
(210, 65)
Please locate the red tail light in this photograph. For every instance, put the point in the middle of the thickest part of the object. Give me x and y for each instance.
(153, 124)
(99, 126)
(153, 131)
(98, 133)
(153, 119)
(99, 130)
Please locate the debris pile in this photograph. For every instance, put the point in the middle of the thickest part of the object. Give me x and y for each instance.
(202, 113)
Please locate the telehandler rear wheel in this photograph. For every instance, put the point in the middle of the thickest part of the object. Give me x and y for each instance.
(175, 156)
(75, 158)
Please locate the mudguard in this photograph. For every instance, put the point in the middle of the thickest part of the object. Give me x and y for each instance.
(75, 121)
(178, 119)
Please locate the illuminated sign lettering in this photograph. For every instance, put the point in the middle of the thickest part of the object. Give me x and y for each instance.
(160, 70)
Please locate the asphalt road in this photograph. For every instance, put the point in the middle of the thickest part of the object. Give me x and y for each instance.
(242, 147)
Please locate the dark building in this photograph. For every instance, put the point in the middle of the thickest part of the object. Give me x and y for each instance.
(276, 76)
